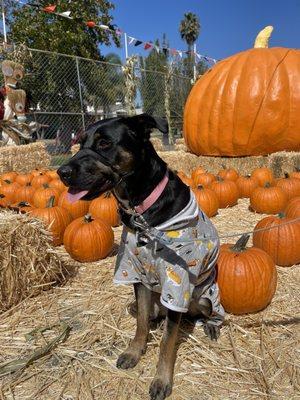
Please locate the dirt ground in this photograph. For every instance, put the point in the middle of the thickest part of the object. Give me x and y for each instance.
(256, 357)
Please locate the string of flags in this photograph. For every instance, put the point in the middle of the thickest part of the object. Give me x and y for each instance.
(148, 45)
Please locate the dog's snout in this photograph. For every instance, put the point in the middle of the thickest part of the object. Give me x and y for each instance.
(65, 172)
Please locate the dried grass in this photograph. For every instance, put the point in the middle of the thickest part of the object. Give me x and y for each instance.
(255, 357)
(280, 162)
(28, 263)
(24, 158)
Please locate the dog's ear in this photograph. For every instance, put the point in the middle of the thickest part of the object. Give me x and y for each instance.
(143, 124)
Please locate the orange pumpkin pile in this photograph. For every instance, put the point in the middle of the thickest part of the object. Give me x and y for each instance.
(42, 195)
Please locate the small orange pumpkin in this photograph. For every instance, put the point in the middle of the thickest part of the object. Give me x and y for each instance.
(205, 179)
(105, 207)
(42, 195)
(246, 185)
(228, 174)
(9, 176)
(280, 238)
(23, 179)
(226, 191)
(40, 180)
(55, 218)
(9, 190)
(247, 277)
(293, 208)
(52, 174)
(207, 200)
(77, 209)
(197, 171)
(4, 201)
(263, 175)
(268, 199)
(25, 193)
(87, 239)
(290, 185)
(57, 184)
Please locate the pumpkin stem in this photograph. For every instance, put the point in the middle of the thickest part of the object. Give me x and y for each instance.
(107, 195)
(219, 178)
(23, 204)
(248, 176)
(2, 196)
(45, 185)
(88, 218)
(262, 39)
(281, 215)
(28, 184)
(267, 185)
(50, 202)
(286, 175)
(7, 181)
(200, 187)
(240, 244)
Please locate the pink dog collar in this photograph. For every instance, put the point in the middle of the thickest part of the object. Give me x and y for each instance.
(153, 196)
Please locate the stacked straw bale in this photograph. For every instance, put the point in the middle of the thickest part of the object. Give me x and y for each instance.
(24, 158)
(180, 159)
(28, 263)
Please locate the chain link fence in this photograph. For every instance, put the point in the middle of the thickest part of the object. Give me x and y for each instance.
(66, 94)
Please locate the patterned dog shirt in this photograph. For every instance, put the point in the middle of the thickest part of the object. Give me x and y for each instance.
(181, 271)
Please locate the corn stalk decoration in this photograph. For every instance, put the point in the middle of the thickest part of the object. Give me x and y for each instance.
(168, 87)
(130, 84)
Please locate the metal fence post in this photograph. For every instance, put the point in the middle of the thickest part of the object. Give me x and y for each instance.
(80, 93)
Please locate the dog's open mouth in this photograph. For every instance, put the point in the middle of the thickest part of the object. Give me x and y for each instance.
(75, 194)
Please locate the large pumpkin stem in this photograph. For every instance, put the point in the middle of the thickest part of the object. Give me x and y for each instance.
(241, 244)
(262, 39)
(200, 187)
(267, 185)
(286, 175)
(281, 215)
(107, 195)
(23, 204)
(50, 202)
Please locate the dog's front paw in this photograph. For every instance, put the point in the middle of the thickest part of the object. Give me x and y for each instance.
(212, 331)
(127, 360)
(159, 389)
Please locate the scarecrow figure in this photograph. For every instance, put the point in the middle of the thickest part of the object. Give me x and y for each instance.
(12, 105)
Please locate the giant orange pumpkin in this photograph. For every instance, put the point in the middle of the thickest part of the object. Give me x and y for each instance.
(247, 104)
(246, 277)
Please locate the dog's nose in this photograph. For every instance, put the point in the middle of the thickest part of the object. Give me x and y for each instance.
(65, 172)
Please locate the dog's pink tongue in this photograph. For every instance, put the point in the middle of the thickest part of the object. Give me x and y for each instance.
(72, 197)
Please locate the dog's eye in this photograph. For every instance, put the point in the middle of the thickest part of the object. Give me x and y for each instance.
(103, 144)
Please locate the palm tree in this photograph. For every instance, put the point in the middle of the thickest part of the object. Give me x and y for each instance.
(189, 29)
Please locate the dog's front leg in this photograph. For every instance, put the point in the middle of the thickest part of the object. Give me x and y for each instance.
(161, 386)
(137, 347)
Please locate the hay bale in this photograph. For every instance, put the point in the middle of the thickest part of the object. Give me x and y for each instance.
(24, 158)
(157, 143)
(28, 263)
(284, 161)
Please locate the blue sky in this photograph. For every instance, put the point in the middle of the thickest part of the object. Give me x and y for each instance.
(228, 26)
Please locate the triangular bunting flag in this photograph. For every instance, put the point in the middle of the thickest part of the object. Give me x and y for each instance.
(148, 46)
(138, 42)
(131, 39)
(50, 8)
(180, 53)
(65, 14)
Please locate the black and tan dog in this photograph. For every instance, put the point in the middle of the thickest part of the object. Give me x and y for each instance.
(116, 154)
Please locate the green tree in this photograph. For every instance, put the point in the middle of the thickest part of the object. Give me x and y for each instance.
(153, 68)
(189, 29)
(48, 31)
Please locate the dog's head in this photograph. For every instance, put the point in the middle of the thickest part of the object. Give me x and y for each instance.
(110, 150)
